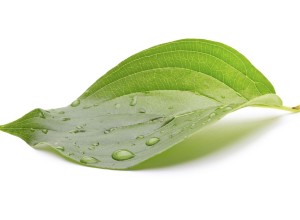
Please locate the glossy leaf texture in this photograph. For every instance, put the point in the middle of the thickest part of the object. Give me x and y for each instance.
(148, 103)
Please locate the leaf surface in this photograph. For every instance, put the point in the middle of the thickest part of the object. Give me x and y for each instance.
(148, 103)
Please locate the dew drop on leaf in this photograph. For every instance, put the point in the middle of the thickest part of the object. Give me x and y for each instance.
(133, 101)
(140, 137)
(152, 141)
(88, 160)
(60, 148)
(45, 131)
(122, 154)
(142, 110)
(75, 103)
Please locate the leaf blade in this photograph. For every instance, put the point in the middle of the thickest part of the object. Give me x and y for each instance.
(148, 103)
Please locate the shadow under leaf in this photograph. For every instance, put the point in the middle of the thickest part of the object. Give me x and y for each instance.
(210, 140)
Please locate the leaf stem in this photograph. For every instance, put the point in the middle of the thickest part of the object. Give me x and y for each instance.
(285, 108)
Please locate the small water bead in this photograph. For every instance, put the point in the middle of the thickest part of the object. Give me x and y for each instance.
(91, 147)
(79, 127)
(212, 115)
(75, 103)
(117, 105)
(45, 131)
(142, 110)
(107, 131)
(60, 148)
(61, 112)
(228, 108)
(66, 119)
(223, 96)
(87, 107)
(133, 101)
(70, 154)
(96, 144)
(140, 137)
(122, 154)
(152, 141)
(41, 114)
(88, 160)
(32, 129)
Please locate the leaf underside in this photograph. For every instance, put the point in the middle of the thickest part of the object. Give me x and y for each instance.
(148, 103)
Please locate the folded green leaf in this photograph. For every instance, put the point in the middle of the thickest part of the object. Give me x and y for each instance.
(148, 103)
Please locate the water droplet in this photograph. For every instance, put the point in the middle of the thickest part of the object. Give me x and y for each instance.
(61, 112)
(86, 107)
(60, 148)
(228, 108)
(45, 131)
(79, 127)
(75, 103)
(133, 101)
(96, 104)
(212, 115)
(41, 114)
(167, 121)
(117, 105)
(91, 147)
(152, 141)
(122, 154)
(107, 131)
(96, 144)
(171, 107)
(32, 129)
(223, 96)
(88, 160)
(140, 137)
(77, 131)
(70, 154)
(142, 110)
(66, 119)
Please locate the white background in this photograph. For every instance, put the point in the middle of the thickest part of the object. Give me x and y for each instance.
(244, 167)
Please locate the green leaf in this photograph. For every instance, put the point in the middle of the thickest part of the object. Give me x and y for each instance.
(148, 103)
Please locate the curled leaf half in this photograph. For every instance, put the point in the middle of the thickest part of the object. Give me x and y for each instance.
(148, 103)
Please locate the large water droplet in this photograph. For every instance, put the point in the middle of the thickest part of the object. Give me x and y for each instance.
(88, 160)
(122, 155)
(60, 148)
(75, 103)
(45, 131)
(133, 101)
(152, 141)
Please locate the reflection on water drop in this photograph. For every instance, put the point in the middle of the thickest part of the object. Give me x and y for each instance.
(122, 154)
